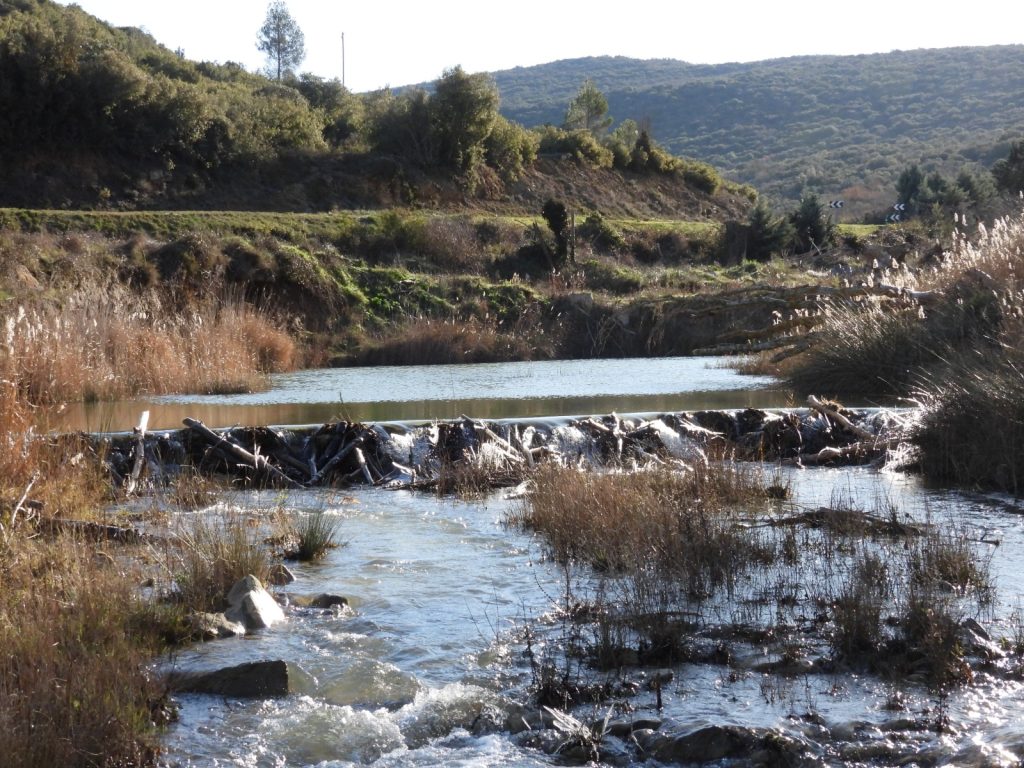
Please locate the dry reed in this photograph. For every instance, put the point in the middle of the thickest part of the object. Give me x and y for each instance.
(106, 343)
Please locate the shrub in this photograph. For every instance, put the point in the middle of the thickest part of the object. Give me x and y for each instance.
(580, 144)
(602, 235)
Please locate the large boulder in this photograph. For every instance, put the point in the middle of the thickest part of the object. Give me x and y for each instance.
(251, 605)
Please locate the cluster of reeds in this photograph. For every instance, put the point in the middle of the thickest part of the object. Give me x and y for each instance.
(214, 551)
(106, 343)
(663, 557)
(427, 341)
(75, 689)
(668, 541)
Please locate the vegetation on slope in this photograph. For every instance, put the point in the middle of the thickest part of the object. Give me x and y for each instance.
(836, 126)
(92, 116)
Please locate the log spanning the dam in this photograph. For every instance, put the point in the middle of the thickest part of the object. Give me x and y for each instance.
(501, 452)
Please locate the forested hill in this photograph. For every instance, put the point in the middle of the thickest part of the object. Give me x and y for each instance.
(834, 125)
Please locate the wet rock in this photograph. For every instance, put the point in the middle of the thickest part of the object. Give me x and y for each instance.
(978, 642)
(252, 605)
(545, 740)
(280, 575)
(256, 679)
(622, 729)
(215, 626)
(759, 746)
(327, 601)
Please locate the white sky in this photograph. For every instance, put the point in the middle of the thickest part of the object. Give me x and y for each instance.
(410, 41)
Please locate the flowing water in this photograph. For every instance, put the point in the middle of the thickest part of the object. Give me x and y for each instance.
(431, 661)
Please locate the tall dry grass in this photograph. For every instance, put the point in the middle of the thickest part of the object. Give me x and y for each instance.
(429, 341)
(668, 541)
(75, 689)
(104, 342)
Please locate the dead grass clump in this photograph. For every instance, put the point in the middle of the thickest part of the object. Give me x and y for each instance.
(428, 341)
(74, 686)
(971, 431)
(50, 476)
(667, 541)
(216, 551)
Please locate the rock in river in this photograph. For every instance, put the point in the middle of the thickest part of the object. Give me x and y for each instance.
(252, 605)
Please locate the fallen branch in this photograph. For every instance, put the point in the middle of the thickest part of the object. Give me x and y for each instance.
(259, 463)
(831, 412)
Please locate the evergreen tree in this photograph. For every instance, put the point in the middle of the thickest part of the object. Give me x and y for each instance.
(281, 39)
(588, 110)
(767, 235)
(812, 225)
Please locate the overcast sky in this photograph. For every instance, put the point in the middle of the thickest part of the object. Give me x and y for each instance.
(401, 42)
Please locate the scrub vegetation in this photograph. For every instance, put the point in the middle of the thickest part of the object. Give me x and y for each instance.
(662, 568)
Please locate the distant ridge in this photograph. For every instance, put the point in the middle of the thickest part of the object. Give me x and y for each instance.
(833, 125)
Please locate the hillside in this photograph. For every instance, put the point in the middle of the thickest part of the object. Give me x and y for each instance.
(98, 117)
(838, 126)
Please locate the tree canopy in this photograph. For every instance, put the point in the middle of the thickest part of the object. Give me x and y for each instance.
(281, 39)
(588, 110)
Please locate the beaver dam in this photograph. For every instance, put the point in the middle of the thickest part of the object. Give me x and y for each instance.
(728, 587)
(497, 453)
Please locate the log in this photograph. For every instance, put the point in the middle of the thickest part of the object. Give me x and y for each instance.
(832, 413)
(132, 481)
(336, 459)
(259, 463)
(362, 464)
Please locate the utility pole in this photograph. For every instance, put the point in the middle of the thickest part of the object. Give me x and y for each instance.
(342, 59)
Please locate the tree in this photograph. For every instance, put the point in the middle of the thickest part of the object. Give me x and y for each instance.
(588, 110)
(1009, 173)
(909, 186)
(463, 109)
(557, 217)
(767, 235)
(281, 39)
(812, 225)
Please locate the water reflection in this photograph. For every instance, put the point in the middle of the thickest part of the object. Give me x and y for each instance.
(489, 391)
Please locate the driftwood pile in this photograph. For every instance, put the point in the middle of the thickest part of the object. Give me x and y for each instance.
(496, 453)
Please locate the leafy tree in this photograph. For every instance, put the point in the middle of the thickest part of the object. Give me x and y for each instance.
(980, 188)
(1009, 172)
(588, 110)
(341, 109)
(463, 111)
(510, 148)
(812, 224)
(401, 125)
(281, 39)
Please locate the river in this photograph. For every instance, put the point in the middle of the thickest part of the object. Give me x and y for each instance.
(429, 664)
